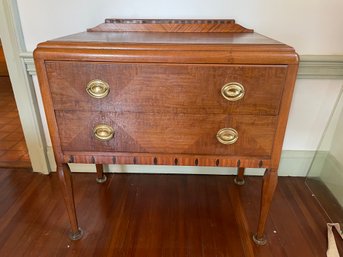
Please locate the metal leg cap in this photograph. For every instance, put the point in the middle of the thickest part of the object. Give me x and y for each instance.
(259, 241)
(101, 180)
(239, 182)
(77, 235)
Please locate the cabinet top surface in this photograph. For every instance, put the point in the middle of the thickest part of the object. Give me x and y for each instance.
(171, 31)
(169, 38)
(200, 41)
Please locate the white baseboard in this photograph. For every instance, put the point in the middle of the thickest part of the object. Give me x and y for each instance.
(332, 176)
(293, 163)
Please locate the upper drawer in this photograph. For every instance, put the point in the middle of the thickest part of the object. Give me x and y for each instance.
(160, 88)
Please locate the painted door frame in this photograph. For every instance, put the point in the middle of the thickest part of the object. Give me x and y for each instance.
(23, 88)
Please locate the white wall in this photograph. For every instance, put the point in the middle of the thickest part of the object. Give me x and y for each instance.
(328, 164)
(337, 142)
(310, 26)
(332, 173)
(311, 108)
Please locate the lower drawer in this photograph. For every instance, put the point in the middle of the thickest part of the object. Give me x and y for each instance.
(167, 133)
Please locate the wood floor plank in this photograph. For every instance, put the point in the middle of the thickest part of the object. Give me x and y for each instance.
(141, 215)
(13, 150)
(308, 221)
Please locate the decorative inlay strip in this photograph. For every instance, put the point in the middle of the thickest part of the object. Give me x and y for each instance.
(167, 21)
(182, 160)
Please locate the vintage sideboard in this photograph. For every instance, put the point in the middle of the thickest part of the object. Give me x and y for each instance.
(167, 92)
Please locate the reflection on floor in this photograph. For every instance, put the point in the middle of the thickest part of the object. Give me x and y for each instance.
(13, 151)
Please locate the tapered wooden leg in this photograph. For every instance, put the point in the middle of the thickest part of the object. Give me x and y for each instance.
(100, 176)
(66, 182)
(268, 188)
(239, 179)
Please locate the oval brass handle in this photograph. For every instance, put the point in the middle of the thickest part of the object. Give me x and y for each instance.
(233, 91)
(97, 88)
(103, 132)
(227, 136)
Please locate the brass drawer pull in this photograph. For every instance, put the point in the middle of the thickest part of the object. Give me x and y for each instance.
(97, 88)
(233, 91)
(227, 136)
(103, 132)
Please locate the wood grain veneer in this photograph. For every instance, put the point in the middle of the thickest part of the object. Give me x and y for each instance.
(186, 88)
(165, 102)
(155, 133)
(151, 25)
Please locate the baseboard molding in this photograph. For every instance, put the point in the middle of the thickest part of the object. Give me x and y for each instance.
(27, 58)
(310, 67)
(332, 176)
(293, 163)
(51, 158)
(321, 67)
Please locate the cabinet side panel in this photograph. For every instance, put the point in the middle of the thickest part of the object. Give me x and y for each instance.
(283, 116)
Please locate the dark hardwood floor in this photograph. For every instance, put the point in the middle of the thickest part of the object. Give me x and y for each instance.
(327, 200)
(13, 150)
(156, 216)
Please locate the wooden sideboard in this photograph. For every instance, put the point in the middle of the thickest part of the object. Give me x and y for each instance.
(167, 92)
